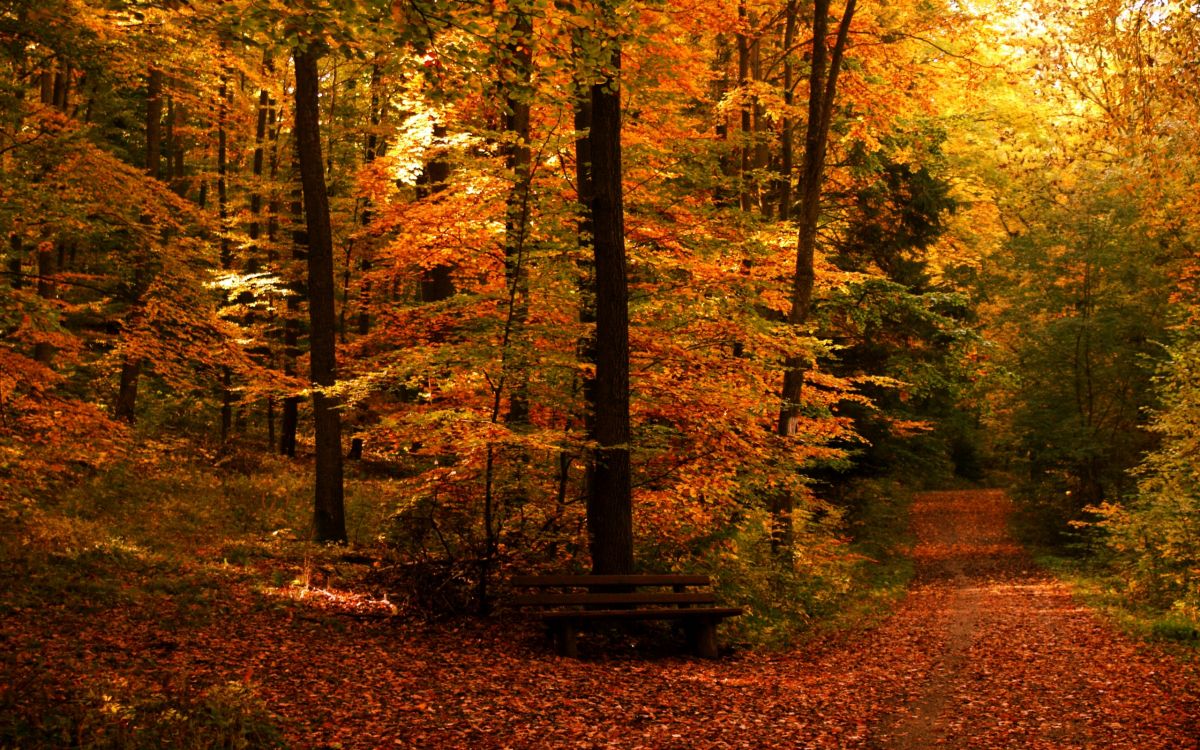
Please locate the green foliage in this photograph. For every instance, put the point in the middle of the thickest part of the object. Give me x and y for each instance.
(1156, 535)
(1105, 587)
(1085, 308)
(834, 581)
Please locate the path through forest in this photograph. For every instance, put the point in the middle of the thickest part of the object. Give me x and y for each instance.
(1018, 662)
(986, 651)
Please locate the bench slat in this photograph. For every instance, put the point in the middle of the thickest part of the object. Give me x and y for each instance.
(640, 614)
(610, 580)
(549, 600)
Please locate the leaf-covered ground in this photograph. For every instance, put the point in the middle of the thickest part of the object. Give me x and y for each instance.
(985, 651)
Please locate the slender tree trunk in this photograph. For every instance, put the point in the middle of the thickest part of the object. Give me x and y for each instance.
(516, 77)
(371, 151)
(823, 77)
(744, 107)
(760, 131)
(274, 205)
(46, 288)
(787, 146)
(329, 523)
(586, 346)
(723, 196)
(517, 213)
(437, 283)
(125, 407)
(16, 278)
(154, 111)
(178, 170)
(226, 251)
(290, 416)
(610, 508)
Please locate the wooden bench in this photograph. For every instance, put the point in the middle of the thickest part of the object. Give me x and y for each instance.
(567, 602)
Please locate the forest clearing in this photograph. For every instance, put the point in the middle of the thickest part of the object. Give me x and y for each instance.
(819, 374)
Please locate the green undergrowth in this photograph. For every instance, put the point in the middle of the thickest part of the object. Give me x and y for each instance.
(1078, 556)
(166, 541)
(113, 716)
(850, 584)
(1094, 583)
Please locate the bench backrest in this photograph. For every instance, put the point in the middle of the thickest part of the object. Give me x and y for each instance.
(591, 581)
(612, 590)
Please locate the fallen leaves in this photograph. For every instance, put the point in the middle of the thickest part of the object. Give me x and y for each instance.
(986, 652)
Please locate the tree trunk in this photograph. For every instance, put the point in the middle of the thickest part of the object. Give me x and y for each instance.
(289, 420)
(226, 251)
(329, 523)
(746, 138)
(125, 407)
(372, 149)
(42, 351)
(154, 109)
(517, 208)
(787, 146)
(16, 277)
(823, 77)
(437, 283)
(610, 511)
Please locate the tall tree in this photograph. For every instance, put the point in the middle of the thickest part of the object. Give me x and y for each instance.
(825, 64)
(329, 523)
(610, 503)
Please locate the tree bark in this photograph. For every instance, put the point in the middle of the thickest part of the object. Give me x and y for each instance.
(823, 77)
(226, 247)
(744, 107)
(125, 407)
(517, 207)
(329, 523)
(154, 110)
(42, 351)
(289, 420)
(610, 507)
(437, 283)
(787, 146)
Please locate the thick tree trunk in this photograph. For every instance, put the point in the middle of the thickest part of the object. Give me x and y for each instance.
(329, 523)
(610, 508)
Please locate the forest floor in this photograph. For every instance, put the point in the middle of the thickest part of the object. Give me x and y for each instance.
(985, 651)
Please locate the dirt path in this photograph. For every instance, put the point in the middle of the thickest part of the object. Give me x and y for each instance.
(1021, 664)
(984, 652)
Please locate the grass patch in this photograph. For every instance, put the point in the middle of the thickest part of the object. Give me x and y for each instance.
(117, 717)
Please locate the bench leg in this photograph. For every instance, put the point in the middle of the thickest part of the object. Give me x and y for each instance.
(565, 641)
(703, 637)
